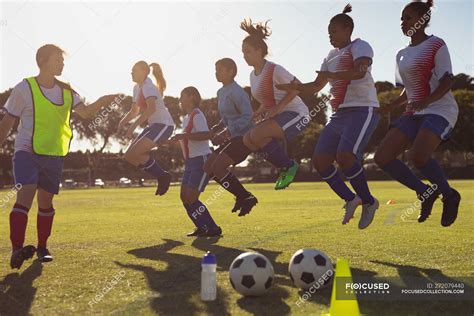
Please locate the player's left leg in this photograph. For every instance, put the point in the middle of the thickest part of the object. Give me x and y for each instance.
(48, 186)
(433, 130)
(194, 182)
(359, 125)
(138, 154)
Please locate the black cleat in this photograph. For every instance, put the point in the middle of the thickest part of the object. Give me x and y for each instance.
(427, 200)
(163, 184)
(214, 232)
(198, 232)
(247, 205)
(237, 205)
(20, 255)
(44, 255)
(450, 208)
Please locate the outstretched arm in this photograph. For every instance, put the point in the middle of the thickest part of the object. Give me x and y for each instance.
(88, 111)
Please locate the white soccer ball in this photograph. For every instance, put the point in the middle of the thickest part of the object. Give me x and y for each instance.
(310, 268)
(251, 274)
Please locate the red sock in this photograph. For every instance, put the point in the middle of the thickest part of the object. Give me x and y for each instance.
(18, 221)
(44, 225)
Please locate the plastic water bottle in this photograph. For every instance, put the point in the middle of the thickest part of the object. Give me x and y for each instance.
(208, 277)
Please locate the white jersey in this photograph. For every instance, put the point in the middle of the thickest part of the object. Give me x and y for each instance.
(419, 69)
(147, 90)
(20, 105)
(351, 93)
(264, 91)
(195, 122)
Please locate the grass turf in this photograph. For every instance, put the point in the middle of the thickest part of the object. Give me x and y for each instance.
(135, 241)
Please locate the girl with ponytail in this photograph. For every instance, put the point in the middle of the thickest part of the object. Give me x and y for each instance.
(424, 71)
(148, 105)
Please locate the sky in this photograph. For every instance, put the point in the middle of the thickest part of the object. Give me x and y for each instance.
(104, 39)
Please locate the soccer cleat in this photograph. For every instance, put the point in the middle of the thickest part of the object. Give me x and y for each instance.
(198, 232)
(350, 208)
(213, 232)
(450, 208)
(163, 184)
(368, 213)
(237, 205)
(20, 255)
(427, 205)
(44, 255)
(247, 205)
(286, 177)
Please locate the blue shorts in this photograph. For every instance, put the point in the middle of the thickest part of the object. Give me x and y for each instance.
(156, 132)
(410, 125)
(292, 123)
(44, 171)
(194, 175)
(348, 130)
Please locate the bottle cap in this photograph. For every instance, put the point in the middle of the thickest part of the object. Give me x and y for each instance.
(209, 258)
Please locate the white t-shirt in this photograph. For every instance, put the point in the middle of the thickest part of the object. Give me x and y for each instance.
(195, 148)
(351, 93)
(20, 104)
(264, 90)
(419, 69)
(161, 115)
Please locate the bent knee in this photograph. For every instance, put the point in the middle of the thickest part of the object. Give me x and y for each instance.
(345, 159)
(419, 159)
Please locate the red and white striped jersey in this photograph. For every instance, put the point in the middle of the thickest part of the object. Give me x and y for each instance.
(192, 123)
(350, 93)
(264, 91)
(419, 69)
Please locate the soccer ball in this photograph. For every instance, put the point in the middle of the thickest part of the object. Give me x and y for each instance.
(251, 274)
(310, 268)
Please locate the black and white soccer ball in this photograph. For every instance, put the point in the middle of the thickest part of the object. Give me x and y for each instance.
(310, 268)
(251, 274)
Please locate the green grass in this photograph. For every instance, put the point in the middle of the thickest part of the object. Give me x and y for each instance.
(101, 233)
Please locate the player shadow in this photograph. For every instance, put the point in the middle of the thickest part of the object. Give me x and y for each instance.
(407, 274)
(17, 292)
(253, 305)
(178, 285)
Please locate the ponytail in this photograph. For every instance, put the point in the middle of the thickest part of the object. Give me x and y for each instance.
(159, 77)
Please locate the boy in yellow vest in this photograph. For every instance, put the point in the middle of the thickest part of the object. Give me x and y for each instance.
(44, 105)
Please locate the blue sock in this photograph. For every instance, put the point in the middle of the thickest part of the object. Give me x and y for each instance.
(153, 168)
(201, 215)
(433, 172)
(190, 212)
(356, 177)
(400, 172)
(274, 154)
(331, 176)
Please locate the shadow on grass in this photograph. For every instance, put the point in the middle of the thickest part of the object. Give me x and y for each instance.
(176, 288)
(411, 307)
(17, 292)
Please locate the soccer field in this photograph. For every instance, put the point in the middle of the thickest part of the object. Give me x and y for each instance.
(138, 240)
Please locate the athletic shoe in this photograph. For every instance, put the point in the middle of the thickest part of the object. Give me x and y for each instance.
(237, 205)
(20, 255)
(286, 177)
(350, 208)
(163, 184)
(450, 208)
(198, 232)
(247, 205)
(368, 213)
(427, 205)
(213, 232)
(44, 255)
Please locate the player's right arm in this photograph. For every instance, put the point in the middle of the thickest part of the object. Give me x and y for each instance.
(6, 125)
(311, 87)
(134, 111)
